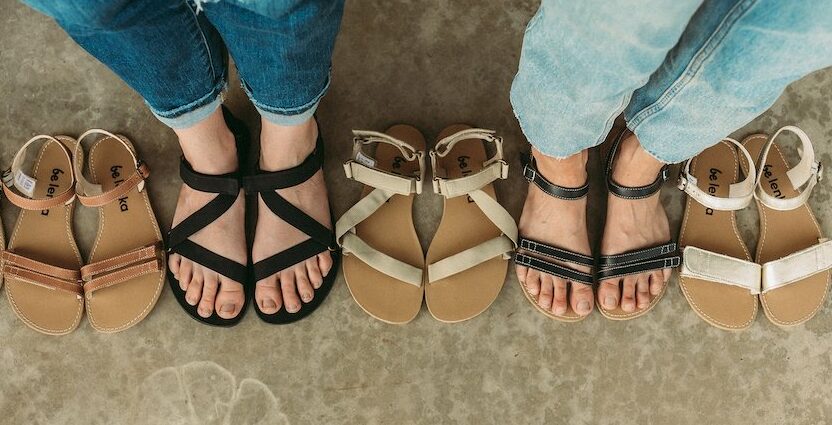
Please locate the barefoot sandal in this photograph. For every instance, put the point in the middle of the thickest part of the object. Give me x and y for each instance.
(227, 188)
(264, 184)
(550, 259)
(640, 260)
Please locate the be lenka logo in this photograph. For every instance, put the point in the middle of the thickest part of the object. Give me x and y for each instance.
(115, 173)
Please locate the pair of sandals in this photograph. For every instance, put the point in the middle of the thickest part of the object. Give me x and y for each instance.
(790, 273)
(578, 268)
(386, 270)
(47, 284)
(263, 185)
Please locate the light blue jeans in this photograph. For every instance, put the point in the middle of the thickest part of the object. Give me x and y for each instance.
(174, 52)
(685, 73)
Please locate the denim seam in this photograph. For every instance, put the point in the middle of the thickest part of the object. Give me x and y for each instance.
(215, 92)
(287, 111)
(204, 40)
(695, 65)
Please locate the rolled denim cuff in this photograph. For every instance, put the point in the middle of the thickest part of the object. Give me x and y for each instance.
(288, 116)
(189, 115)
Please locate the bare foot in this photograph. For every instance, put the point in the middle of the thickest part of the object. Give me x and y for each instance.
(633, 224)
(283, 148)
(561, 223)
(210, 148)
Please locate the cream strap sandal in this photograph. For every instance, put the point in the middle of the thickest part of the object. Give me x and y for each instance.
(126, 267)
(41, 264)
(383, 259)
(470, 252)
(795, 256)
(718, 278)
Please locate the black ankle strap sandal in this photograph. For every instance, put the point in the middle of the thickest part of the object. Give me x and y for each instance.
(547, 258)
(227, 188)
(264, 184)
(641, 260)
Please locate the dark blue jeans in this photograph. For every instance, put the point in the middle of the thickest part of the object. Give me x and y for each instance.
(174, 52)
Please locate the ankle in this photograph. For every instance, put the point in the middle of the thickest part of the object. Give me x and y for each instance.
(209, 146)
(283, 147)
(566, 172)
(634, 166)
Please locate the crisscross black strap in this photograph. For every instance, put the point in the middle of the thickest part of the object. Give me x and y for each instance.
(532, 175)
(545, 265)
(227, 187)
(627, 192)
(265, 185)
(639, 261)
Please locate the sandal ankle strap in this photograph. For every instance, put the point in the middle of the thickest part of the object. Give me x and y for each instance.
(740, 194)
(91, 194)
(533, 175)
(493, 168)
(630, 192)
(361, 166)
(804, 176)
(14, 177)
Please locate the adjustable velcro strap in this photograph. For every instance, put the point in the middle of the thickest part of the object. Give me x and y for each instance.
(362, 166)
(803, 177)
(798, 266)
(532, 175)
(639, 261)
(451, 188)
(459, 262)
(627, 192)
(269, 181)
(353, 245)
(41, 274)
(698, 263)
(740, 194)
(381, 179)
(225, 184)
(359, 212)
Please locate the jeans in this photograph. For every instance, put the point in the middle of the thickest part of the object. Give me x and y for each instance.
(685, 73)
(173, 52)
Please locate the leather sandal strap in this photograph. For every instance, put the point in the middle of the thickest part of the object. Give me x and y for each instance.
(532, 175)
(17, 260)
(639, 261)
(122, 275)
(91, 194)
(803, 177)
(627, 192)
(41, 274)
(797, 266)
(698, 263)
(552, 268)
(740, 194)
(555, 252)
(14, 177)
(129, 258)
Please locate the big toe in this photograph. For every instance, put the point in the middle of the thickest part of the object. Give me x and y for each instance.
(581, 298)
(230, 298)
(532, 282)
(325, 263)
(608, 294)
(174, 263)
(267, 294)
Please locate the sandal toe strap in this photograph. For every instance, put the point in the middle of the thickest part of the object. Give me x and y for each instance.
(798, 266)
(41, 274)
(698, 263)
(354, 245)
(122, 268)
(639, 261)
(549, 259)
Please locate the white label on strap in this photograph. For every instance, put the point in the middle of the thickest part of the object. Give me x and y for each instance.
(365, 160)
(25, 183)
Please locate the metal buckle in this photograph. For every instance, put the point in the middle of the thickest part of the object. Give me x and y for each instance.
(503, 169)
(529, 173)
(682, 182)
(665, 173)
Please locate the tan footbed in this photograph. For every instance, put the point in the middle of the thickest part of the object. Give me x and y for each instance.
(124, 224)
(389, 230)
(46, 236)
(727, 307)
(783, 233)
(464, 295)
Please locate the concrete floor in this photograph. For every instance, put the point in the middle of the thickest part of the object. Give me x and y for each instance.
(427, 64)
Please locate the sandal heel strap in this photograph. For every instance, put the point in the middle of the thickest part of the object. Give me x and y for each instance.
(632, 192)
(14, 177)
(532, 175)
(804, 176)
(740, 194)
(361, 167)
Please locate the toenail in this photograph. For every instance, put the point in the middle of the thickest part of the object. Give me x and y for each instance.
(609, 302)
(583, 307)
(267, 303)
(292, 308)
(204, 312)
(306, 297)
(227, 308)
(192, 300)
(560, 309)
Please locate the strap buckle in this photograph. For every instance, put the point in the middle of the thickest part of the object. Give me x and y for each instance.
(503, 169)
(819, 170)
(682, 182)
(529, 173)
(665, 173)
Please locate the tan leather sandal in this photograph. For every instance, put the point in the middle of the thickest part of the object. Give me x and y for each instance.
(383, 259)
(41, 264)
(794, 254)
(470, 252)
(126, 269)
(718, 277)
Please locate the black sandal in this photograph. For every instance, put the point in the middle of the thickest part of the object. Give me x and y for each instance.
(546, 255)
(264, 184)
(227, 187)
(640, 260)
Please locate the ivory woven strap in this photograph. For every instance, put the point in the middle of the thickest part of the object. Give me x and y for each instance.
(804, 176)
(14, 177)
(41, 274)
(698, 263)
(740, 194)
(493, 168)
(798, 266)
(92, 195)
(361, 167)
(122, 268)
